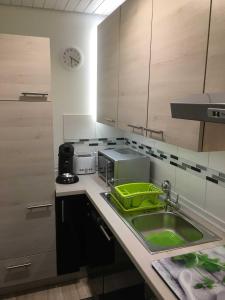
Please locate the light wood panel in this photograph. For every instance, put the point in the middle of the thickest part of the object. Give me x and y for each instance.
(135, 36)
(24, 66)
(108, 66)
(38, 267)
(214, 135)
(178, 55)
(27, 178)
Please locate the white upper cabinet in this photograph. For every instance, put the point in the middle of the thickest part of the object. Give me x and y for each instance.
(24, 67)
(135, 36)
(177, 69)
(108, 66)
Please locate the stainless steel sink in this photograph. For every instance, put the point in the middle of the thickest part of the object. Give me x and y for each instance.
(178, 226)
(183, 228)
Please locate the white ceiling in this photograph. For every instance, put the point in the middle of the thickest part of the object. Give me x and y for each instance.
(99, 7)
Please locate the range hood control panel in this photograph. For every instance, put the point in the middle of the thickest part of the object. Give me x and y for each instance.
(217, 113)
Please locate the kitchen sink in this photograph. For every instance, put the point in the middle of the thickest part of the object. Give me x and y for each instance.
(168, 230)
(164, 231)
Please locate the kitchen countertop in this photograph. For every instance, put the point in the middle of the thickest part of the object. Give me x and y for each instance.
(92, 186)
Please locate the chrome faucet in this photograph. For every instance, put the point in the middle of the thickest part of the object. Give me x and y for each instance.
(170, 203)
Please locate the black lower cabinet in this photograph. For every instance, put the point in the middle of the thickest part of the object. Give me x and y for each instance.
(70, 233)
(82, 237)
(100, 244)
(84, 240)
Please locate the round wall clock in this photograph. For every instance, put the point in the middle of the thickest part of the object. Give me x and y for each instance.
(72, 57)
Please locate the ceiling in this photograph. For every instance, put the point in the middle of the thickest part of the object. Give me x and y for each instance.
(98, 7)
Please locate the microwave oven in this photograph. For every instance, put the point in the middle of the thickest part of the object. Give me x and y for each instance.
(123, 165)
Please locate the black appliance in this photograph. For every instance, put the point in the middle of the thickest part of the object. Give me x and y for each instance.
(65, 165)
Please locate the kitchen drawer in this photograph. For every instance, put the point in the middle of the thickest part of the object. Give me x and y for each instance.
(25, 230)
(27, 269)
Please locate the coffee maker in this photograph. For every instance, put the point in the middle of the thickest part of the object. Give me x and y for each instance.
(65, 165)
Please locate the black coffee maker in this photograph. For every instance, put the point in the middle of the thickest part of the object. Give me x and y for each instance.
(65, 165)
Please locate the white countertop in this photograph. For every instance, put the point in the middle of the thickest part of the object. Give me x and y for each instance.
(92, 186)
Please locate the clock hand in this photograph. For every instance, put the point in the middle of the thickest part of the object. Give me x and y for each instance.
(72, 58)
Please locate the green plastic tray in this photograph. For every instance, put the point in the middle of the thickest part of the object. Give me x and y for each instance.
(133, 195)
(145, 207)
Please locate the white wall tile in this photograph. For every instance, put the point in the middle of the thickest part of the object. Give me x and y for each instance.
(191, 187)
(215, 200)
(201, 158)
(217, 161)
(166, 147)
(83, 148)
(160, 171)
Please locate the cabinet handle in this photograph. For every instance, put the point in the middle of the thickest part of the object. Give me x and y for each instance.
(109, 120)
(18, 266)
(105, 233)
(107, 171)
(151, 131)
(39, 206)
(34, 94)
(136, 127)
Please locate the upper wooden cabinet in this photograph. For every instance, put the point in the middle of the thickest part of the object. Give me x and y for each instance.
(24, 67)
(168, 51)
(177, 69)
(214, 134)
(135, 36)
(108, 66)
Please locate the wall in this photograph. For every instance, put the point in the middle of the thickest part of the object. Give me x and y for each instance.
(70, 89)
(199, 178)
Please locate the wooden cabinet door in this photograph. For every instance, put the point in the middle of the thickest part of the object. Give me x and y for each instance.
(26, 178)
(21, 270)
(177, 69)
(135, 37)
(214, 134)
(108, 67)
(24, 66)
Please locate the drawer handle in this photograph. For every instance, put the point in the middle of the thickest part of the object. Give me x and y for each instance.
(151, 131)
(18, 266)
(109, 120)
(105, 233)
(34, 94)
(39, 206)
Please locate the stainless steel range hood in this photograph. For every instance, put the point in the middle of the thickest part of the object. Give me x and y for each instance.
(204, 107)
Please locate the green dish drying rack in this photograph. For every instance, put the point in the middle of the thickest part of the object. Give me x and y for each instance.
(132, 195)
(138, 197)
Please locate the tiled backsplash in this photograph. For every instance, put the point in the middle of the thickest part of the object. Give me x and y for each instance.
(199, 178)
(191, 167)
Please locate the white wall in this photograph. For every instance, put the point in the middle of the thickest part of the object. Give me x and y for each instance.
(70, 89)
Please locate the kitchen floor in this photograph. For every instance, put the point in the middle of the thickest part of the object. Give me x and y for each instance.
(80, 290)
(117, 286)
(74, 291)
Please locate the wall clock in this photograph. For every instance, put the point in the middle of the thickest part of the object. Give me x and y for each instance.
(72, 58)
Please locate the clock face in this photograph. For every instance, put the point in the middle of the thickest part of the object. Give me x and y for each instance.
(71, 58)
